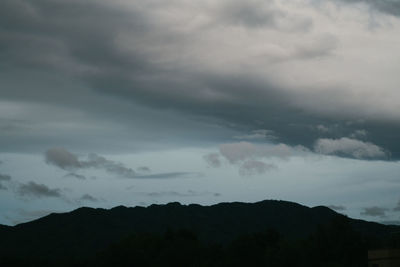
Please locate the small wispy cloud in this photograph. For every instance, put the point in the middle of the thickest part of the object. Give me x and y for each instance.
(87, 197)
(261, 134)
(75, 175)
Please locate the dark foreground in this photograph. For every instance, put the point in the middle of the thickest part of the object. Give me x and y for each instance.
(267, 233)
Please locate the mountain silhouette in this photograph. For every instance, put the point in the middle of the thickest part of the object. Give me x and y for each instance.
(85, 232)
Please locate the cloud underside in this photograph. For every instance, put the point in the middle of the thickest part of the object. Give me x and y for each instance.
(188, 193)
(228, 65)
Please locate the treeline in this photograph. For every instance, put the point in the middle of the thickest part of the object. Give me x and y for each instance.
(331, 245)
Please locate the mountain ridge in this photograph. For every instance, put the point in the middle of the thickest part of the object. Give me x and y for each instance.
(86, 231)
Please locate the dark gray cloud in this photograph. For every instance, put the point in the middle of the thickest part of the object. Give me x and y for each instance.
(374, 212)
(337, 207)
(62, 158)
(93, 54)
(32, 189)
(5, 177)
(96, 161)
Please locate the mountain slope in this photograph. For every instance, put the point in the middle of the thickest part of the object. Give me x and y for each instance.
(86, 231)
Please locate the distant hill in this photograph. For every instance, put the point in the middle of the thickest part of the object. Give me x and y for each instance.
(86, 231)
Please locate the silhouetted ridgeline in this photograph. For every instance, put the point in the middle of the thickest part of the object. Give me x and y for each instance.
(266, 233)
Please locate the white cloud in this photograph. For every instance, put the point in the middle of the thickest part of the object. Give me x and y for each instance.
(213, 160)
(241, 151)
(255, 167)
(349, 147)
(250, 157)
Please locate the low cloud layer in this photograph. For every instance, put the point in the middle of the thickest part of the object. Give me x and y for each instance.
(255, 167)
(33, 189)
(213, 160)
(250, 157)
(75, 175)
(66, 160)
(374, 212)
(87, 197)
(188, 193)
(397, 208)
(4, 178)
(262, 135)
(236, 152)
(350, 148)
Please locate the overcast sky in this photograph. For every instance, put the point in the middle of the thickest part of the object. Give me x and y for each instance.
(106, 103)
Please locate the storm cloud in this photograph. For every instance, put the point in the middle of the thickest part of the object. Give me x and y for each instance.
(129, 56)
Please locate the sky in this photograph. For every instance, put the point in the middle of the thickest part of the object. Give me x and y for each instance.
(128, 102)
